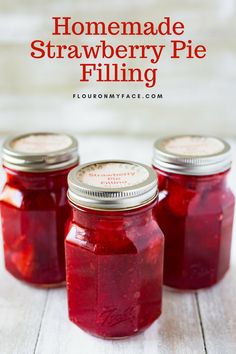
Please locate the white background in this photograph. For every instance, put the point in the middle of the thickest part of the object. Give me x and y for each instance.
(199, 96)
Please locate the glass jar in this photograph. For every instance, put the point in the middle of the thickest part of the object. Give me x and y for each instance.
(34, 206)
(195, 209)
(114, 249)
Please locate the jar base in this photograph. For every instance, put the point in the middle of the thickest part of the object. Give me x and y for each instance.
(140, 331)
(48, 286)
(191, 290)
(39, 285)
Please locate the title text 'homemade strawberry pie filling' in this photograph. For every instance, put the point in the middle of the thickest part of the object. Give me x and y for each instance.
(114, 249)
(195, 209)
(34, 206)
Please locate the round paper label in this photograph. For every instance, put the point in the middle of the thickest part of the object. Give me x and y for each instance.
(41, 143)
(194, 146)
(113, 175)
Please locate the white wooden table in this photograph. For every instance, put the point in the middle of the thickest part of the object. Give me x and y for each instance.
(35, 320)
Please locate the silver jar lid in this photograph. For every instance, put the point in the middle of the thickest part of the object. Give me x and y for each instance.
(192, 155)
(112, 185)
(40, 152)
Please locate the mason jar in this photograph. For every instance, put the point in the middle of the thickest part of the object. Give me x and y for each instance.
(114, 249)
(34, 206)
(195, 209)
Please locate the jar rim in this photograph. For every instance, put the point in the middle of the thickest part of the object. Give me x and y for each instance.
(137, 188)
(55, 159)
(132, 208)
(210, 160)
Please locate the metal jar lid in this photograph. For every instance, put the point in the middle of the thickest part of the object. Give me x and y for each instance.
(112, 185)
(192, 155)
(40, 152)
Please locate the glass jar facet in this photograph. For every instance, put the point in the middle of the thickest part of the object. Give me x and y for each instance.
(114, 266)
(34, 213)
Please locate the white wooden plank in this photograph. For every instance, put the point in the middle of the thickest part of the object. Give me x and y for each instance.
(218, 312)
(178, 331)
(217, 304)
(169, 115)
(21, 309)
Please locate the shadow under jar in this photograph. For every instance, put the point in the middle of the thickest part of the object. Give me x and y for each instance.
(34, 206)
(114, 249)
(195, 209)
